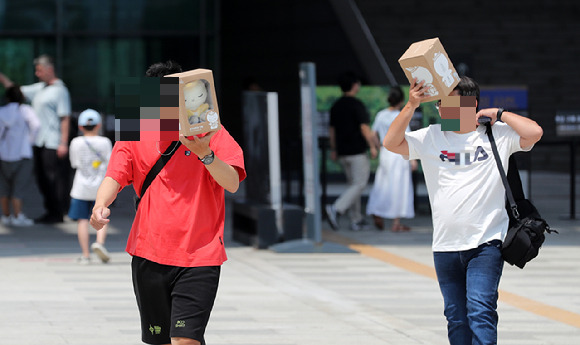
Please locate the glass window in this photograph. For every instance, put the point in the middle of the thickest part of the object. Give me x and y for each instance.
(93, 16)
(28, 15)
(100, 40)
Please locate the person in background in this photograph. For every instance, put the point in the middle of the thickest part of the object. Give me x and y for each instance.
(176, 239)
(18, 128)
(350, 137)
(50, 100)
(89, 154)
(392, 192)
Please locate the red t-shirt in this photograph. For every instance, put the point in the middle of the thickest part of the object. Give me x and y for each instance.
(180, 220)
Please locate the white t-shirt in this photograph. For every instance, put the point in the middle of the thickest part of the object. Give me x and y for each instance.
(91, 167)
(465, 189)
(18, 128)
(51, 103)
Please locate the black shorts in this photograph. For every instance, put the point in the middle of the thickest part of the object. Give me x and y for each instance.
(173, 301)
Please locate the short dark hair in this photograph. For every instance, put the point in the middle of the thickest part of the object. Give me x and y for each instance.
(395, 96)
(89, 127)
(162, 69)
(468, 87)
(13, 94)
(347, 80)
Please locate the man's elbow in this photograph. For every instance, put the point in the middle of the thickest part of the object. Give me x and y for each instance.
(539, 132)
(401, 148)
(535, 133)
(389, 144)
(233, 187)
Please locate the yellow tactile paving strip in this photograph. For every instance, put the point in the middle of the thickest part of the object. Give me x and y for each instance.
(535, 307)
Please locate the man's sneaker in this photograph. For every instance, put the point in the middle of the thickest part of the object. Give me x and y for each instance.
(331, 216)
(83, 260)
(358, 226)
(22, 220)
(6, 220)
(101, 252)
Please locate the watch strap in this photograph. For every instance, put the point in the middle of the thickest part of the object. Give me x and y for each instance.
(499, 113)
(208, 159)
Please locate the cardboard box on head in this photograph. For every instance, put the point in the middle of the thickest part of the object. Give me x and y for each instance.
(198, 108)
(427, 61)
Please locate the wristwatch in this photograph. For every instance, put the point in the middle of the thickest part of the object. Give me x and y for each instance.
(207, 160)
(499, 112)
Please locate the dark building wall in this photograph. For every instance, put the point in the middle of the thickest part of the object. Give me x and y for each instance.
(530, 43)
(267, 40)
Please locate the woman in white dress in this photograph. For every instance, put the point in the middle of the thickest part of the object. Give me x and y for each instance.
(392, 193)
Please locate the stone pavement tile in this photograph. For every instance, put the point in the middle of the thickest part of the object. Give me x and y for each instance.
(300, 299)
(282, 299)
(52, 300)
(537, 304)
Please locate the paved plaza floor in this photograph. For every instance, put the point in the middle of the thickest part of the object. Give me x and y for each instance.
(384, 292)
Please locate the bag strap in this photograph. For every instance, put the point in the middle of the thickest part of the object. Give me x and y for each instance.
(514, 179)
(93, 149)
(165, 157)
(504, 180)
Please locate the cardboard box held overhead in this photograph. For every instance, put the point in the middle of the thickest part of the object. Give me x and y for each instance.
(427, 61)
(198, 108)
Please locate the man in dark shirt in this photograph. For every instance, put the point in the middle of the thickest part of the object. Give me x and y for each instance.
(350, 137)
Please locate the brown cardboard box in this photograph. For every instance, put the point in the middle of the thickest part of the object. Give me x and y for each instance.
(198, 108)
(427, 60)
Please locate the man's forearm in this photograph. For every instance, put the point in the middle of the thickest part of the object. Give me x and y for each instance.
(5, 81)
(224, 174)
(331, 139)
(369, 135)
(526, 128)
(64, 128)
(107, 192)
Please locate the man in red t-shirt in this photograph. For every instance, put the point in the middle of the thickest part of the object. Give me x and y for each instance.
(177, 236)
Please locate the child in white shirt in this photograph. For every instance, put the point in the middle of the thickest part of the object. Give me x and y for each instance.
(89, 155)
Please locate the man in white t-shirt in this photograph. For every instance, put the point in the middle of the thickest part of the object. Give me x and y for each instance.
(467, 200)
(50, 100)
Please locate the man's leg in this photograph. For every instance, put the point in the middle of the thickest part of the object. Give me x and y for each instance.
(41, 180)
(184, 341)
(47, 172)
(193, 297)
(484, 271)
(357, 171)
(360, 170)
(152, 287)
(451, 277)
(63, 184)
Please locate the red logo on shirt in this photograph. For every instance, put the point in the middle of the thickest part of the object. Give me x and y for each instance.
(464, 158)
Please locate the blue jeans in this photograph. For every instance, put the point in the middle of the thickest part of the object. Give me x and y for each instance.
(469, 282)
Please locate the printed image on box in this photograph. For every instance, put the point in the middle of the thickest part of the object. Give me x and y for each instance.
(428, 62)
(196, 101)
(198, 110)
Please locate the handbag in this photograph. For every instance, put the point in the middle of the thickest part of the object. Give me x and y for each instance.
(526, 228)
(163, 159)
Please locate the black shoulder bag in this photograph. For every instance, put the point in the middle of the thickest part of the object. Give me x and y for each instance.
(526, 228)
(165, 157)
